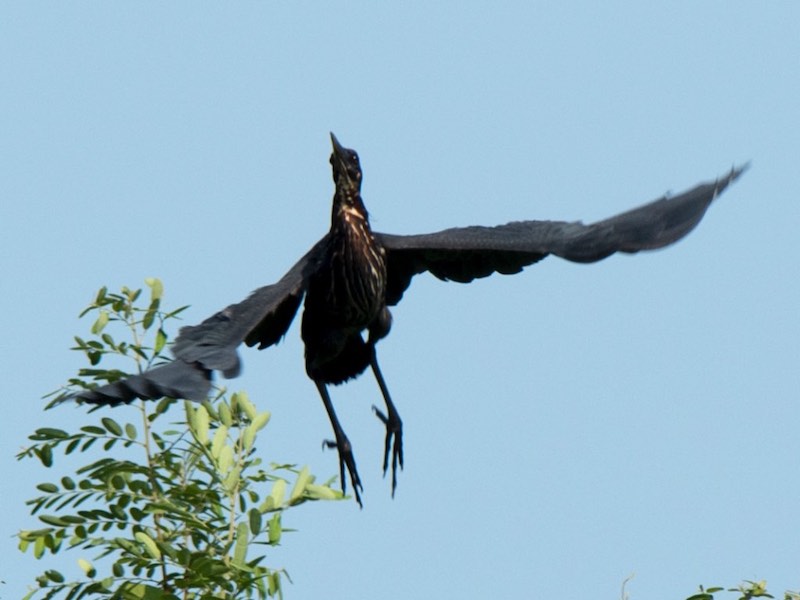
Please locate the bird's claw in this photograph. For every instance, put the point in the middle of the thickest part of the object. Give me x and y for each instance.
(346, 459)
(394, 441)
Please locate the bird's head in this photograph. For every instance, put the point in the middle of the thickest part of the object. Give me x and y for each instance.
(347, 177)
(346, 168)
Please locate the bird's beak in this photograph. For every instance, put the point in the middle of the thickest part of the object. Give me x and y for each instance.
(338, 149)
(339, 162)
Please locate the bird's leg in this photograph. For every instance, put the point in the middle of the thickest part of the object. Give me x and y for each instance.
(342, 445)
(393, 423)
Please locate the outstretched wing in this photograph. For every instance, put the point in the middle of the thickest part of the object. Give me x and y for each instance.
(262, 318)
(466, 253)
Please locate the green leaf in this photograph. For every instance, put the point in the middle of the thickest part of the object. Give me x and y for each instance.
(140, 487)
(101, 296)
(73, 520)
(201, 425)
(112, 426)
(68, 483)
(225, 459)
(93, 430)
(274, 529)
(86, 567)
(148, 543)
(261, 419)
(46, 455)
(278, 492)
(149, 317)
(100, 323)
(218, 444)
(232, 480)
(170, 509)
(274, 584)
(303, 479)
(247, 406)
(130, 431)
(45, 433)
(177, 311)
(139, 591)
(161, 340)
(39, 547)
(254, 517)
(240, 550)
(107, 582)
(191, 415)
(156, 288)
(54, 576)
(48, 488)
(225, 414)
(322, 492)
(248, 438)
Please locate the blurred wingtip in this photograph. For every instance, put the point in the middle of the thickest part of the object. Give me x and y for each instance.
(737, 171)
(732, 176)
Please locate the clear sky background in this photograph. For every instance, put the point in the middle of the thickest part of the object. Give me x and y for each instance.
(565, 427)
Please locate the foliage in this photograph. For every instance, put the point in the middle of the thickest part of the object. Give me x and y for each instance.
(746, 591)
(167, 510)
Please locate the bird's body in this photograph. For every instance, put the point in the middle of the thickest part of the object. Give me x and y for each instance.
(352, 275)
(345, 297)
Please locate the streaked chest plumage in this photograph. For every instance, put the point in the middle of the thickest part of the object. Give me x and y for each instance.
(356, 281)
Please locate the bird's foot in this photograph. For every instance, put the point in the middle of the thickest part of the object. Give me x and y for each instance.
(346, 459)
(394, 441)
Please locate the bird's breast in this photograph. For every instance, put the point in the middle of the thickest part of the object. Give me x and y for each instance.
(356, 280)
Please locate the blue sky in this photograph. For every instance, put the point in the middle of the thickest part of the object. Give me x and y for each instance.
(565, 427)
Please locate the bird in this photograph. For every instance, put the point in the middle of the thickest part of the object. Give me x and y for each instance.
(352, 275)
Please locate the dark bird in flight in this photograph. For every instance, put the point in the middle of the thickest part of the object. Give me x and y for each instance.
(352, 275)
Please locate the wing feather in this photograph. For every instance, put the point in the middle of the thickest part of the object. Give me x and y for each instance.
(262, 318)
(465, 253)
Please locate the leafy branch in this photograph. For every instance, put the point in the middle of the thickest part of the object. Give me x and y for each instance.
(171, 510)
(746, 591)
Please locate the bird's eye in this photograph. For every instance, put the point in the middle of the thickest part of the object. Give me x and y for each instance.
(354, 156)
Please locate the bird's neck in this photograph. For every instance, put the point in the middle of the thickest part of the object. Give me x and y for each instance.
(349, 212)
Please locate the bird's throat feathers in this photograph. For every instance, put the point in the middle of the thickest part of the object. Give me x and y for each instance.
(351, 210)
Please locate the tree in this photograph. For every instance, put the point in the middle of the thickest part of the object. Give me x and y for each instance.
(179, 510)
